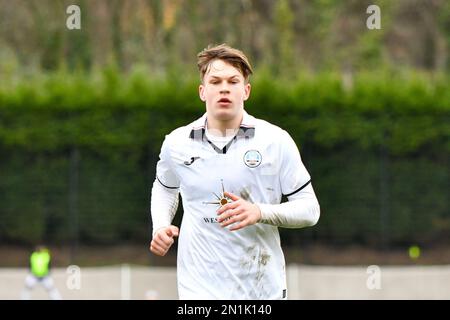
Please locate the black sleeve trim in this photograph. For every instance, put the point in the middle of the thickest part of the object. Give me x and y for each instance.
(299, 189)
(165, 185)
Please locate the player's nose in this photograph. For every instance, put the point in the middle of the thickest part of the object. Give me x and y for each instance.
(224, 87)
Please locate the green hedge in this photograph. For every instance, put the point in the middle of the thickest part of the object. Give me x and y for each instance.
(378, 152)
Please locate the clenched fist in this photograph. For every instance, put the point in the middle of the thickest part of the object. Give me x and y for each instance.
(163, 240)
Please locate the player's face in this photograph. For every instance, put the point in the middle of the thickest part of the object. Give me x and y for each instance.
(224, 91)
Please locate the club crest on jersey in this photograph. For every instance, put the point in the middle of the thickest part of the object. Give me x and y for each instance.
(252, 158)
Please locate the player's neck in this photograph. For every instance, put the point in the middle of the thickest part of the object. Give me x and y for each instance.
(223, 128)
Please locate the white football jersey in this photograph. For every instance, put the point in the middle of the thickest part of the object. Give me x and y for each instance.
(260, 164)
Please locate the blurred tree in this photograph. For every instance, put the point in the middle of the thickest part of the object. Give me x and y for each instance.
(284, 39)
(284, 35)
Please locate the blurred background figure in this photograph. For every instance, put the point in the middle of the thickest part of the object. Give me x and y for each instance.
(40, 261)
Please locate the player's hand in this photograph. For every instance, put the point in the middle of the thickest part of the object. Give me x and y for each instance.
(239, 211)
(163, 240)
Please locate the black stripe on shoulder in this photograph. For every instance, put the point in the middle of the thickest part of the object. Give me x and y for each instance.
(165, 185)
(299, 189)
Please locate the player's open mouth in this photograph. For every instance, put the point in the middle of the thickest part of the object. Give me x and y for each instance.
(224, 102)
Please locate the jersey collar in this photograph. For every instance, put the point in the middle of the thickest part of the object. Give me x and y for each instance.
(246, 128)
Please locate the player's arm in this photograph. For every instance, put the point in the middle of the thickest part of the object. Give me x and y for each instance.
(302, 208)
(164, 204)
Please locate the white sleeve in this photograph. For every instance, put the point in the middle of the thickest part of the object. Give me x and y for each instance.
(164, 204)
(302, 208)
(164, 198)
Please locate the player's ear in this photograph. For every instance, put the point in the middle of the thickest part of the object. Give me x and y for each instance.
(201, 92)
(247, 90)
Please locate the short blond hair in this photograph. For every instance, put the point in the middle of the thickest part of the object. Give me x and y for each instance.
(226, 53)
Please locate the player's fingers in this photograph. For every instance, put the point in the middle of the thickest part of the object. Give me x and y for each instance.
(231, 196)
(228, 206)
(228, 214)
(157, 249)
(224, 216)
(237, 215)
(164, 240)
(154, 249)
(172, 231)
(165, 236)
(232, 220)
(150, 246)
(231, 213)
(238, 211)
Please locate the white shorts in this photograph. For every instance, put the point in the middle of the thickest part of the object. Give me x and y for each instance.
(32, 280)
